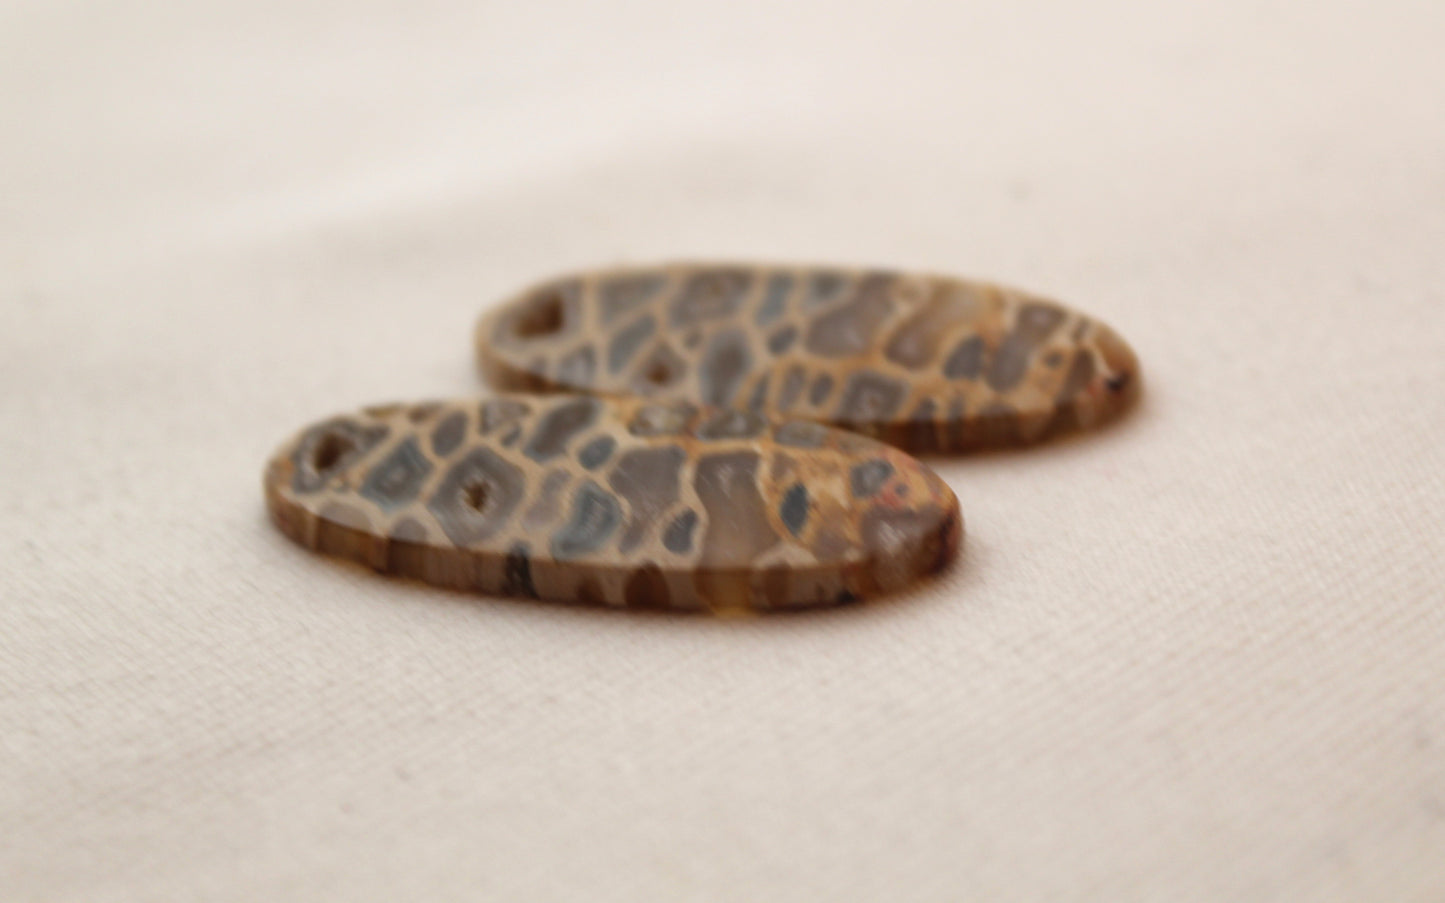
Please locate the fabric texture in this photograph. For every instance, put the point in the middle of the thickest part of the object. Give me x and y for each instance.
(1198, 656)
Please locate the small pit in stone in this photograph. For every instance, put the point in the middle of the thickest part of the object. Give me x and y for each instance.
(331, 449)
(659, 373)
(475, 495)
(542, 318)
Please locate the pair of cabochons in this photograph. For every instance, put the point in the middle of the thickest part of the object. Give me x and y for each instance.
(711, 437)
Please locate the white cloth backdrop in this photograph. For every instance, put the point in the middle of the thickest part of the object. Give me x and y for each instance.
(1200, 656)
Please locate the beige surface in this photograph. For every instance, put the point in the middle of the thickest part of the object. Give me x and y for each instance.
(1199, 657)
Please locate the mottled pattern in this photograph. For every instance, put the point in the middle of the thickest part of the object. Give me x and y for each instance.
(616, 502)
(925, 363)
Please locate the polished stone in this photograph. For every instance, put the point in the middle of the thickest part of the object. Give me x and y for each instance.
(925, 363)
(617, 502)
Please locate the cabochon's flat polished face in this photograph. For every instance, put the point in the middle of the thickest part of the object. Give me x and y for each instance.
(619, 502)
(925, 363)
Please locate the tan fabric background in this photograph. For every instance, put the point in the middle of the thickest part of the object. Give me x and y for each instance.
(1198, 657)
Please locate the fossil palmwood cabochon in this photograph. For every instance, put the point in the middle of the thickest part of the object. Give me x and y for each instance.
(926, 363)
(617, 502)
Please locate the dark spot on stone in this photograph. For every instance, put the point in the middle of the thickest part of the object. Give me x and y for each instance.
(501, 412)
(732, 425)
(822, 387)
(794, 509)
(846, 596)
(662, 419)
(801, 434)
(623, 294)
(578, 367)
(557, 427)
(775, 298)
(395, 481)
(542, 317)
(517, 572)
(710, 295)
(481, 477)
(648, 479)
(329, 451)
(330, 448)
(783, 339)
(692, 339)
(868, 477)
(628, 340)
(423, 411)
(595, 516)
(409, 529)
(549, 311)
(677, 538)
(849, 329)
(1053, 359)
(870, 398)
(475, 495)
(966, 359)
(647, 588)
(1034, 324)
(512, 436)
(1118, 382)
(449, 433)
(723, 367)
(662, 368)
(596, 452)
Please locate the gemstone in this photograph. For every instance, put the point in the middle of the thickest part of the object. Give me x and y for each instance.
(924, 363)
(624, 502)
